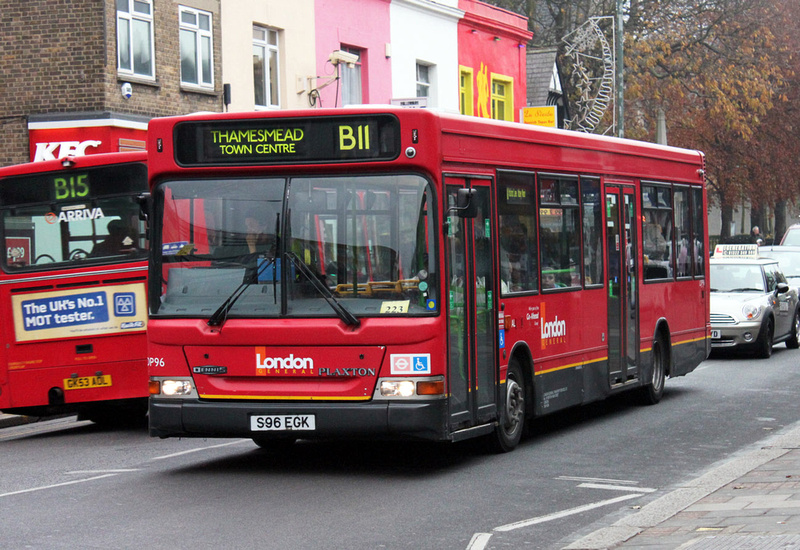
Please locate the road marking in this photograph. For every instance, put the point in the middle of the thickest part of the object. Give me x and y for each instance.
(598, 480)
(479, 541)
(199, 449)
(55, 485)
(565, 513)
(616, 487)
(84, 472)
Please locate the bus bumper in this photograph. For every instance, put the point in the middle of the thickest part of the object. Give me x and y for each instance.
(390, 419)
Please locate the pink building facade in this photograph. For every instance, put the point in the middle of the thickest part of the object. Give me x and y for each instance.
(492, 61)
(360, 28)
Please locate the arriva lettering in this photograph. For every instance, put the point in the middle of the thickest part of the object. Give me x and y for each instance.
(85, 214)
(47, 151)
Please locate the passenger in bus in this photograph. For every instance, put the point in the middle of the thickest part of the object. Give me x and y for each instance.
(514, 259)
(120, 240)
(655, 245)
(548, 278)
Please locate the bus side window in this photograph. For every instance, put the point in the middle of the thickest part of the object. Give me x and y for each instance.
(560, 232)
(517, 226)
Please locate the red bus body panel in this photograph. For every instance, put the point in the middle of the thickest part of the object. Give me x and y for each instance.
(33, 364)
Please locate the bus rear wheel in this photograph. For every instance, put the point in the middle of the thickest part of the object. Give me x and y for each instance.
(512, 420)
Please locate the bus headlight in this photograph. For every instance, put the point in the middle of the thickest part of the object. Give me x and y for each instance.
(397, 388)
(751, 311)
(172, 387)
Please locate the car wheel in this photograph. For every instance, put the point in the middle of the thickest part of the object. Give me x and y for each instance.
(794, 338)
(764, 343)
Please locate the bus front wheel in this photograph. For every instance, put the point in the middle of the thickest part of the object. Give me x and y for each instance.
(512, 420)
(654, 389)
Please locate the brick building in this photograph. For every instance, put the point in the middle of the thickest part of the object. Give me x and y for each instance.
(63, 65)
(86, 76)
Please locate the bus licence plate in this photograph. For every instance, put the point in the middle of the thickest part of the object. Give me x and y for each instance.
(85, 382)
(716, 334)
(282, 422)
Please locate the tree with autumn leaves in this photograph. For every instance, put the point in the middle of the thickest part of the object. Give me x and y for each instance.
(724, 73)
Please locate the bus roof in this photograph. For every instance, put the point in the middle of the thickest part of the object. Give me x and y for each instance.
(468, 139)
(77, 162)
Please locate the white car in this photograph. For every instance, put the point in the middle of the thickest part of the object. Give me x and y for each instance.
(752, 305)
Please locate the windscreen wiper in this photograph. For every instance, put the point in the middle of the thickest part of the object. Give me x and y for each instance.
(344, 314)
(219, 316)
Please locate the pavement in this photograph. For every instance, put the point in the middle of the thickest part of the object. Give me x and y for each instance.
(8, 420)
(751, 501)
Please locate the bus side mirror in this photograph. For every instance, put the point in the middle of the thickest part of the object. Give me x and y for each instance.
(465, 207)
(144, 212)
(144, 206)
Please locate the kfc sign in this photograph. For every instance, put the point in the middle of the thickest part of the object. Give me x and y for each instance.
(60, 149)
(58, 139)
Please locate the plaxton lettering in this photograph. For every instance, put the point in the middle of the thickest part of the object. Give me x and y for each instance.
(347, 372)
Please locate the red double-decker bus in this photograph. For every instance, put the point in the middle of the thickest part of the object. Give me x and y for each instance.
(73, 287)
(384, 272)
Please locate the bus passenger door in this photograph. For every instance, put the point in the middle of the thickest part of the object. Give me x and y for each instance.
(622, 284)
(471, 309)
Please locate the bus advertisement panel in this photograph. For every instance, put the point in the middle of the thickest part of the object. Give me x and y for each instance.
(73, 288)
(404, 273)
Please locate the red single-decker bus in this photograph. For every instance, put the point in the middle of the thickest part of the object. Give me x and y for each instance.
(73, 288)
(382, 272)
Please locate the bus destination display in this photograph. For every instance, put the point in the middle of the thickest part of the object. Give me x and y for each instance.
(281, 141)
(72, 185)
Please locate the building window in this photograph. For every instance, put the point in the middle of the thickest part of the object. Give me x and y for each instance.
(265, 68)
(350, 74)
(196, 48)
(423, 80)
(135, 38)
(502, 98)
(465, 91)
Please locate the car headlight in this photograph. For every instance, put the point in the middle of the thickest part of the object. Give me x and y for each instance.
(751, 311)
